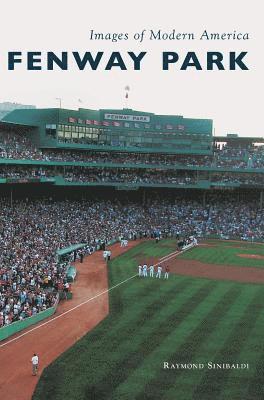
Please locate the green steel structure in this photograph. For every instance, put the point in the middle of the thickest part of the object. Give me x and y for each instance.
(116, 129)
(124, 131)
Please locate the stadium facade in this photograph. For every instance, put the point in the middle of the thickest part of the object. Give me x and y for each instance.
(126, 128)
(121, 141)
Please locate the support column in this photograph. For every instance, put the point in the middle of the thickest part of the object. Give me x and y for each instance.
(204, 198)
(11, 197)
(144, 197)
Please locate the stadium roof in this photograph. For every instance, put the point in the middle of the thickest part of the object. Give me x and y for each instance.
(66, 250)
(236, 138)
(6, 124)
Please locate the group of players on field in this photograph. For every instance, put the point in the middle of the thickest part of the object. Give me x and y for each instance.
(145, 271)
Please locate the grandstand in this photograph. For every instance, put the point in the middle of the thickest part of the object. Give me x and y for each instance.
(125, 149)
(92, 176)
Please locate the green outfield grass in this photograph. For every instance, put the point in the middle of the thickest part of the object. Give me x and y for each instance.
(235, 243)
(182, 320)
(226, 253)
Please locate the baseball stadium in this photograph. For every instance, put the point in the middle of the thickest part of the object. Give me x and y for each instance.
(90, 199)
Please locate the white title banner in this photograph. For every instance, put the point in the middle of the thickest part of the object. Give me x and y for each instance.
(123, 117)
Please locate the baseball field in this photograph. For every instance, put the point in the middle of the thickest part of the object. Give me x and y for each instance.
(197, 335)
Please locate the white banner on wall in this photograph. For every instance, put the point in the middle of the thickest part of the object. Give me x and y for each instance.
(123, 117)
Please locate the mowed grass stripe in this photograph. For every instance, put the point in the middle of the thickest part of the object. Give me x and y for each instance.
(256, 384)
(224, 325)
(224, 256)
(89, 356)
(186, 352)
(138, 310)
(139, 301)
(230, 352)
(253, 353)
(120, 269)
(207, 349)
(180, 328)
(147, 314)
(147, 249)
(231, 243)
(128, 354)
(138, 348)
(142, 287)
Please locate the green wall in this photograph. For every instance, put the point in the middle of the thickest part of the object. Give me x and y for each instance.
(18, 326)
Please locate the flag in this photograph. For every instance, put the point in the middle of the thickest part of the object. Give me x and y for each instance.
(168, 126)
(72, 120)
(181, 127)
(88, 122)
(127, 88)
(105, 123)
(115, 123)
(96, 122)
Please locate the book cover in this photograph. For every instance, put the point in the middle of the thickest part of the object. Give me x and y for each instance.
(131, 200)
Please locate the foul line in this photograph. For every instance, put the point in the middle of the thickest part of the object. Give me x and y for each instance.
(175, 252)
(163, 259)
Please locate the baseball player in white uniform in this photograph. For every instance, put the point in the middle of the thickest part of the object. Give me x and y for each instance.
(35, 362)
(145, 270)
(105, 254)
(140, 270)
(158, 274)
(151, 271)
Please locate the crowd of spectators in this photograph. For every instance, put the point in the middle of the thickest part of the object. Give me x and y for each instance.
(32, 231)
(19, 146)
(127, 158)
(239, 157)
(18, 172)
(128, 176)
(244, 179)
